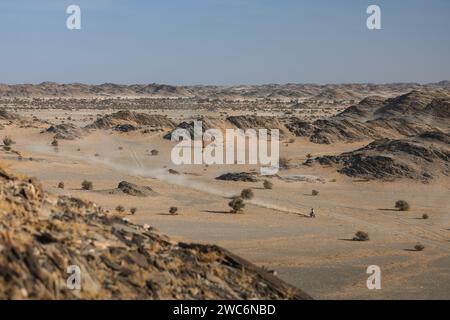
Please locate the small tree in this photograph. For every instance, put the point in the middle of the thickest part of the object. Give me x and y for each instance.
(425, 216)
(173, 210)
(133, 211)
(237, 204)
(87, 185)
(154, 152)
(419, 247)
(61, 185)
(247, 194)
(315, 193)
(361, 236)
(268, 184)
(55, 143)
(402, 205)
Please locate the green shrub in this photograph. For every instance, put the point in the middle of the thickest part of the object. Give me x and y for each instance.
(402, 205)
(361, 236)
(237, 205)
(7, 141)
(268, 184)
(87, 185)
(247, 194)
(120, 209)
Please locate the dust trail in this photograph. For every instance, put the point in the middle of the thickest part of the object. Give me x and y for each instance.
(139, 170)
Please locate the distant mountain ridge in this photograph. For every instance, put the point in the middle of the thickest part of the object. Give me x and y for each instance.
(272, 91)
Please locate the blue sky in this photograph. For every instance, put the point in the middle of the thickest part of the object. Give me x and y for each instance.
(185, 42)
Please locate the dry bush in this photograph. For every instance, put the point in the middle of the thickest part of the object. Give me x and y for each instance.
(133, 210)
(402, 205)
(361, 236)
(173, 210)
(284, 163)
(268, 185)
(315, 193)
(120, 209)
(154, 152)
(61, 185)
(425, 216)
(87, 185)
(55, 143)
(7, 141)
(419, 247)
(247, 194)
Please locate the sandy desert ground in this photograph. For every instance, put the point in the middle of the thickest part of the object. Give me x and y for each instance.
(316, 255)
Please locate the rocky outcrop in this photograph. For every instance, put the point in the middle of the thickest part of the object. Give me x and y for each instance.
(65, 131)
(135, 190)
(423, 158)
(257, 122)
(238, 176)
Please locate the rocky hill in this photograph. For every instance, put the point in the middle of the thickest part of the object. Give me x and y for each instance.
(125, 120)
(423, 157)
(41, 235)
(375, 118)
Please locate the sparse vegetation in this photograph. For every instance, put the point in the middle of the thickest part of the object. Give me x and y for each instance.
(314, 193)
(268, 185)
(419, 247)
(247, 194)
(7, 141)
(284, 163)
(61, 185)
(361, 236)
(237, 205)
(120, 209)
(173, 210)
(402, 205)
(87, 185)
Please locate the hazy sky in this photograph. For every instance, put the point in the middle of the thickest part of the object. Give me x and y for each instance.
(224, 41)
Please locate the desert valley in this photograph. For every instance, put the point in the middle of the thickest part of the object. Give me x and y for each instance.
(372, 160)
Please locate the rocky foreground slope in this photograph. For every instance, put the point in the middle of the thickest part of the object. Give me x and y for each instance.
(41, 235)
